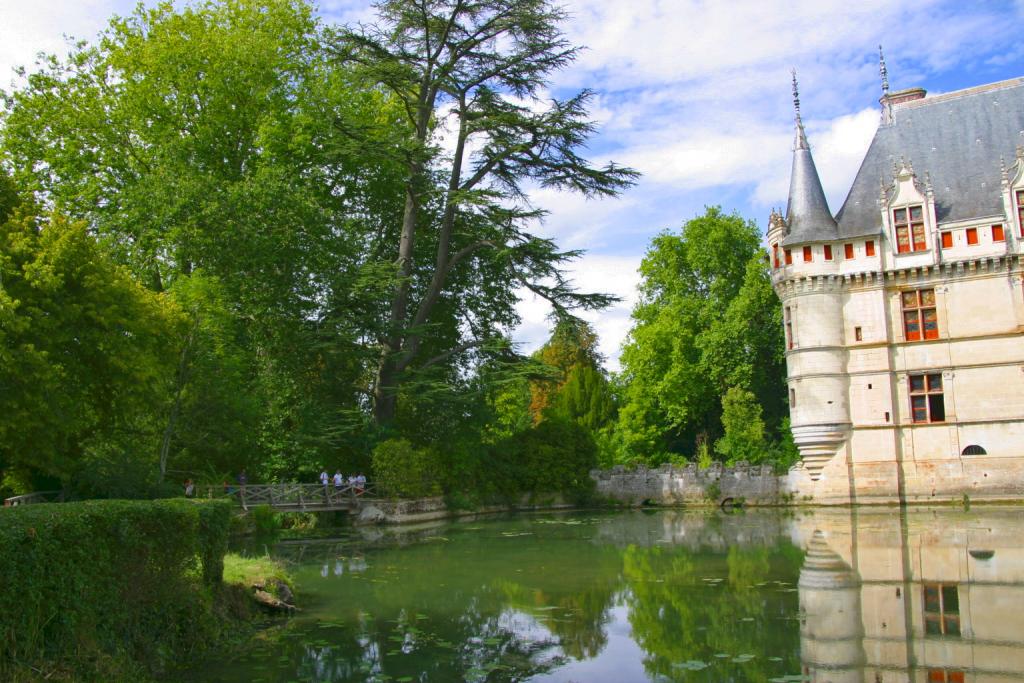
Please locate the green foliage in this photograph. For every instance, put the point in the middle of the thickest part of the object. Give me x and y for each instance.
(83, 350)
(744, 438)
(264, 520)
(707, 321)
(205, 147)
(555, 456)
(402, 470)
(108, 578)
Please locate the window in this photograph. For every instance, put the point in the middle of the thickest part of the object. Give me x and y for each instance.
(789, 257)
(974, 450)
(858, 334)
(788, 317)
(869, 247)
(947, 239)
(775, 255)
(919, 319)
(997, 234)
(792, 398)
(848, 251)
(941, 609)
(808, 255)
(926, 401)
(909, 224)
(972, 235)
(1020, 211)
(945, 676)
(828, 252)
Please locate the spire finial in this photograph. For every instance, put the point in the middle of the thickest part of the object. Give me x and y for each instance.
(883, 71)
(796, 99)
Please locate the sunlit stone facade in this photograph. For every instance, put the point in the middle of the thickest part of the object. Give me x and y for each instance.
(904, 312)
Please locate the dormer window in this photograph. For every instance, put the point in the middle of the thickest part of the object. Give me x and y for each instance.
(909, 225)
(1020, 211)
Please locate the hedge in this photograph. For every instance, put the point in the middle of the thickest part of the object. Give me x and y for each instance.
(108, 578)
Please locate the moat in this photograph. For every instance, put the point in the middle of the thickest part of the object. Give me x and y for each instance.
(798, 595)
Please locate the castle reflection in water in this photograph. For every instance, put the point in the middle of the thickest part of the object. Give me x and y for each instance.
(924, 596)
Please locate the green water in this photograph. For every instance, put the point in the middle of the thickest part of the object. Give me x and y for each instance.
(635, 596)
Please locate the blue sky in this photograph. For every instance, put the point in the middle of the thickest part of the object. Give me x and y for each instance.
(695, 95)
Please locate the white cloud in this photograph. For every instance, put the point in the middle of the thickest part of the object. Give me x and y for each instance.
(592, 273)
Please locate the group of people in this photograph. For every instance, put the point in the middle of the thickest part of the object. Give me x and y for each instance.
(356, 481)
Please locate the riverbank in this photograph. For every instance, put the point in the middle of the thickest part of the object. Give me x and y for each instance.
(123, 590)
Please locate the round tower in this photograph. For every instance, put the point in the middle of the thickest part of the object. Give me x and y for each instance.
(806, 279)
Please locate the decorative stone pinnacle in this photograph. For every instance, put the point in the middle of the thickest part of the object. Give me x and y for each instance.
(796, 99)
(883, 72)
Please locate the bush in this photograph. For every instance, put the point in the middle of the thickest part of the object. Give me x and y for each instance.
(556, 456)
(403, 471)
(100, 579)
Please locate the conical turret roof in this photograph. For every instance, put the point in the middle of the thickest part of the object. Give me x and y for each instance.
(807, 214)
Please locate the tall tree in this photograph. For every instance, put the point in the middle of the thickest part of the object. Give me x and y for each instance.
(84, 351)
(470, 75)
(206, 139)
(707, 321)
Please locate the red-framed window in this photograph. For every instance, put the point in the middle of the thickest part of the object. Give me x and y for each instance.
(1020, 211)
(788, 318)
(775, 255)
(828, 252)
(789, 257)
(848, 251)
(927, 403)
(941, 609)
(947, 239)
(909, 224)
(946, 676)
(869, 248)
(997, 234)
(808, 255)
(972, 235)
(919, 317)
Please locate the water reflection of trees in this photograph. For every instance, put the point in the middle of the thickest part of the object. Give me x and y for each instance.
(683, 611)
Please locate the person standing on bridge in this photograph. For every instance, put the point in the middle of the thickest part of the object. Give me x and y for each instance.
(339, 481)
(324, 478)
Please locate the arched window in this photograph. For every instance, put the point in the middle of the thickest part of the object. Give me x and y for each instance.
(974, 450)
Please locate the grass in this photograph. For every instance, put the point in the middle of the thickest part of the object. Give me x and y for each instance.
(246, 571)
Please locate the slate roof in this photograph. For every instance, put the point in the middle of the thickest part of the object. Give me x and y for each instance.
(807, 213)
(957, 138)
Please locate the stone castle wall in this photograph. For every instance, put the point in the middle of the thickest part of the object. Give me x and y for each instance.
(688, 485)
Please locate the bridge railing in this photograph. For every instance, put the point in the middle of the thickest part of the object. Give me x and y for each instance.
(35, 497)
(312, 496)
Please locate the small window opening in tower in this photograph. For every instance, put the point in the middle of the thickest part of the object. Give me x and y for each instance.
(974, 449)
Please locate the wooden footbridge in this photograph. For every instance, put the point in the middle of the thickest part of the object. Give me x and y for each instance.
(294, 497)
(283, 497)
